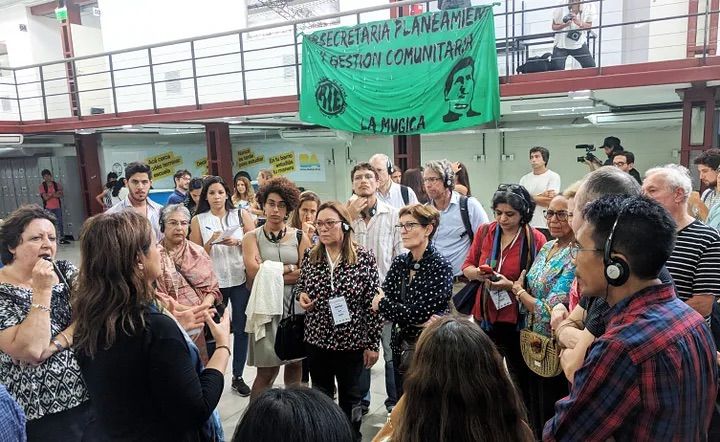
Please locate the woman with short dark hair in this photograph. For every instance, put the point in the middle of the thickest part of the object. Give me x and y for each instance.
(143, 372)
(499, 253)
(417, 286)
(297, 414)
(37, 364)
(413, 179)
(276, 242)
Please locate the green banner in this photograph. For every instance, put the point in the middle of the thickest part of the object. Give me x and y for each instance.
(434, 72)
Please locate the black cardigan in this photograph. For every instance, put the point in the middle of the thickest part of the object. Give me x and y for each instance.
(145, 387)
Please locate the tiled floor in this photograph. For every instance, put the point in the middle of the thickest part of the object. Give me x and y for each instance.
(232, 406)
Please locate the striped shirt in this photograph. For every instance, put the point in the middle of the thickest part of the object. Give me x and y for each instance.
(695, 262)
(380, 236)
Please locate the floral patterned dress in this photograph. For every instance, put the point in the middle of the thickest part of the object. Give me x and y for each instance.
(549, 281)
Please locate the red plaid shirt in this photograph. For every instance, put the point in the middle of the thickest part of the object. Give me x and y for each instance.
(652, 376)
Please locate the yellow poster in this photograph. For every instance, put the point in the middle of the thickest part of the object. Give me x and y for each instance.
(164, 165)
(283, 163)
(246, 157)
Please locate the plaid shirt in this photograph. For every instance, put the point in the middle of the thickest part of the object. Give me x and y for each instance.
(651, 377)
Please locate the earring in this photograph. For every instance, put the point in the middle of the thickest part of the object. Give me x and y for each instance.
(141, 266)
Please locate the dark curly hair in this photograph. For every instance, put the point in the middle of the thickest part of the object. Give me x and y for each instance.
(283, 187)
(15, 224)
(518, 198)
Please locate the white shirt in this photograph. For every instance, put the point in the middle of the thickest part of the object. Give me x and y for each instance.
(537, 184)
(451, 238)
(380, 236)
(153, 213)
(394, 196)
(587, 15)
(227, 260)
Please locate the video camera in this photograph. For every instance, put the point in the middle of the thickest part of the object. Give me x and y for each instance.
(588, 155)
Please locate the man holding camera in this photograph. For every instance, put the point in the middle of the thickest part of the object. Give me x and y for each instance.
(611, 146)
(571, 25)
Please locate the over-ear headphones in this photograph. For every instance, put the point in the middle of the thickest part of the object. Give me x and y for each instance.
(448, 178)
(161, 221)
(617, 270)
(345, 226)
(390, 167)
(370, 212)
(514, 189)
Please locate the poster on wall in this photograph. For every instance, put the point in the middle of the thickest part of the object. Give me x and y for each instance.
(163, 161)
(298, 164)
(434, 72)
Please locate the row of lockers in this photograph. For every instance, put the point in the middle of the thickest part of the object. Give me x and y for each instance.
(20, 181)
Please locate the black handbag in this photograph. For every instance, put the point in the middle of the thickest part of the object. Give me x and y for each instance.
(464, 300)
(290, 336)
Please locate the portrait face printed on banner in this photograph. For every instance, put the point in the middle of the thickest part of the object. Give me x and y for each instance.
(459, 90)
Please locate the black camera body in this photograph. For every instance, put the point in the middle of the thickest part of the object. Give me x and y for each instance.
(567, 18)
(589, 148)
(574, 35)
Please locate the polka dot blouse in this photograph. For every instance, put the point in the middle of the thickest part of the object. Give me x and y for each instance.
(427, 294)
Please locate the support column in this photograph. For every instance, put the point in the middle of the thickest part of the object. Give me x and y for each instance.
(219, 150)
(91, 181)
(407, 151)
(698, 125)
(69, 52)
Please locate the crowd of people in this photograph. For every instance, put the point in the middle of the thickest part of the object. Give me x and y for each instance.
(586, 313)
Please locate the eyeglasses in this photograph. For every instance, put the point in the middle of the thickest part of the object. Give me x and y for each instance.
(175, 223)
(620, 164)
(575, 249)
(280, 205)
(562, 215)
(329, 223)
(408, 227)
(431, 179)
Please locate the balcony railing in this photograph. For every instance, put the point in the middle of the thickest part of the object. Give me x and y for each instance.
(265, 61)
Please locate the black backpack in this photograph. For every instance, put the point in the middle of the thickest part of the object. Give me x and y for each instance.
(536, 64)
(465, 215)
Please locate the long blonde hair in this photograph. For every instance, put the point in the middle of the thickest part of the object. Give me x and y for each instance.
(249, 194)
(349, 249)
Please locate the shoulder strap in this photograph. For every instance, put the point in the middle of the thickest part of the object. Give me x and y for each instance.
(405, 194)
(299, 234)
(465, 215)
(45, 186)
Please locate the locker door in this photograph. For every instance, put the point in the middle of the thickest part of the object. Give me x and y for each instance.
(8, 187)
(73, 208)
(33, 178)
(22, 192)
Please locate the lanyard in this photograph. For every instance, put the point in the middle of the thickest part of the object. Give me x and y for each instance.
(502, 258)
(332, 264)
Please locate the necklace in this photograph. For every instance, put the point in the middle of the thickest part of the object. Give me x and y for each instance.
(273, 238)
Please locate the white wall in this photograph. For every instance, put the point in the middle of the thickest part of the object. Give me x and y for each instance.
(668, 37)
(651, 147)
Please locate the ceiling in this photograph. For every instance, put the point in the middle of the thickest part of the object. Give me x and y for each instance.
(9, 3)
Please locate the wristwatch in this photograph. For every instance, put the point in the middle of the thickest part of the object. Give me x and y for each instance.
(291, 267)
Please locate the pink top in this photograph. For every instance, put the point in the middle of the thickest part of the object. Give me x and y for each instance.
(52, 203)
(574, 295)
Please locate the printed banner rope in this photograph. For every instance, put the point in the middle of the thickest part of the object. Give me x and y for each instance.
(434, 72)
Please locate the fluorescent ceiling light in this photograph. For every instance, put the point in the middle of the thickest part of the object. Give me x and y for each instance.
(635, 117)
(574, 111)
(543, 107)
(586, 94)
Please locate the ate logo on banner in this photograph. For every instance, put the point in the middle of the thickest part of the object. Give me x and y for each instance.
(330, 97)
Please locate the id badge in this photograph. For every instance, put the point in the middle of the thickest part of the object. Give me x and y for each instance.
(500, 298)
(339, 310)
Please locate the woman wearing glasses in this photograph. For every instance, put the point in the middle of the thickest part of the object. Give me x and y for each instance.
(499, 253)
(188, 281)
(548, 284)
(218, 228)
(417, 287)
(337, 284)
(274, 241)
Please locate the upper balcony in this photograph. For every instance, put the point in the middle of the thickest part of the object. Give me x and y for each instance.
(256, 70)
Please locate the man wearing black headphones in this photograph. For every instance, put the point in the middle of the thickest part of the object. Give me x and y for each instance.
(460, 216)
(653, 374)
(390, 192)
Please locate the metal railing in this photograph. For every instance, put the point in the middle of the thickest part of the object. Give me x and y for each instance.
(265, 61)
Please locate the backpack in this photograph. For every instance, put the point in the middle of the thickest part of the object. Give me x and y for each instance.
(465, 215)
(45, 187)
(405, 194)
(536, 64)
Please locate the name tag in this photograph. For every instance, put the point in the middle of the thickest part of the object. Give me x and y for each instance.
(339, 310)
(500, 298)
